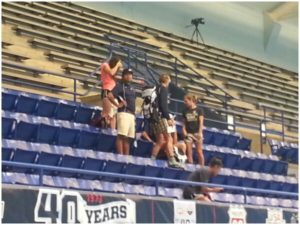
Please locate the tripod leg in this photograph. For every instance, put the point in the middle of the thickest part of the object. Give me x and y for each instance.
(193, 36)
(199, 33)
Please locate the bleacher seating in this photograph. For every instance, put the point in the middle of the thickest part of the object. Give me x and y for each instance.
(286, 151)
(59, 141)
(72, 40)
(78, 36)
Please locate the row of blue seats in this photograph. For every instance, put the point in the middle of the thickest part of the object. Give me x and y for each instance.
(48, 107)
(286, 151)
(45, 158)
(125, 188)
(64, 110)
(42, 133)
(83, 153)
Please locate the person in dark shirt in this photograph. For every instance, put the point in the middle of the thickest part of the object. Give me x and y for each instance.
(203, 175)
(192, 129)
(160, 127)
(125, 94)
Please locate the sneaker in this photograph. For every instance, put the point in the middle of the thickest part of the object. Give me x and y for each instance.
(175, 164)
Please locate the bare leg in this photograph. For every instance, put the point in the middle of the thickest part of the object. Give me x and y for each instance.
(126, 145)
(200, 154)
(189, 152)
(158, 145)
(203, 198)
(169, 145)
(119, 145)
(106, 104)
(113, 122)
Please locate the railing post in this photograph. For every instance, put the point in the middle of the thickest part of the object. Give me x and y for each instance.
(41, 177)
(245, 196)
(176, 74)
(261, 136)
(75, 90)
(282, 124)
(156, 187)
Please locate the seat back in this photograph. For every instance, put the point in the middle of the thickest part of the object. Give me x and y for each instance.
(8, 125)
(26, 104)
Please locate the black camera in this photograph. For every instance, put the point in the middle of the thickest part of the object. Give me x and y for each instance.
(197, 21)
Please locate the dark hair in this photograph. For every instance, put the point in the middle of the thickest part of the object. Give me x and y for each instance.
(215, 162)
(113, 61)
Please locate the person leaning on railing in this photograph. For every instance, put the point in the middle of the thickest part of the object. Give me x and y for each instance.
(203, 175)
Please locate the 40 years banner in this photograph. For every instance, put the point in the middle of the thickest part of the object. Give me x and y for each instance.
(20, 204)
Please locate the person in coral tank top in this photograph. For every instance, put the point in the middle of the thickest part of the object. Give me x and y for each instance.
(109, 70)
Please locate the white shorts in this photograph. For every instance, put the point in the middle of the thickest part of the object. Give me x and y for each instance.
(113, 111)
(126, 124)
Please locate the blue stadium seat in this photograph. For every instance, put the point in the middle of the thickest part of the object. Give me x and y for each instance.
(220, 179)
(231, 161)
(231, 141)
(50, 160)
(24, 156)
(245, 163)
(234, 181)
(67, 137)
(114, 167)
(249, 182)
(47, 134)
(287, 187)
(277, 186)
(268, 166)
(83, 114)
(7, 155)
(88, 140)
(219, 139)
(152, 171)
(207, 156)
(94, 165)
(71, 162)
(291, 155)
(26, 131)
(65, 111)
(106, 143)
(8, 125)
(26, 104)
(257, 165)
(244, 144)
(184, 174)
(144, 149)
(208, 136)
(133, 169)
(46, 108)
(263, 184)
(8, 101)
(170, 173)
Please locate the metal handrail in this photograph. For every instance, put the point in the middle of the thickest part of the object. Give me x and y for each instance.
(227, 95)
(157, 181)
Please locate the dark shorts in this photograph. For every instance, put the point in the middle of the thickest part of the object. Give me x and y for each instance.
(104, 93)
